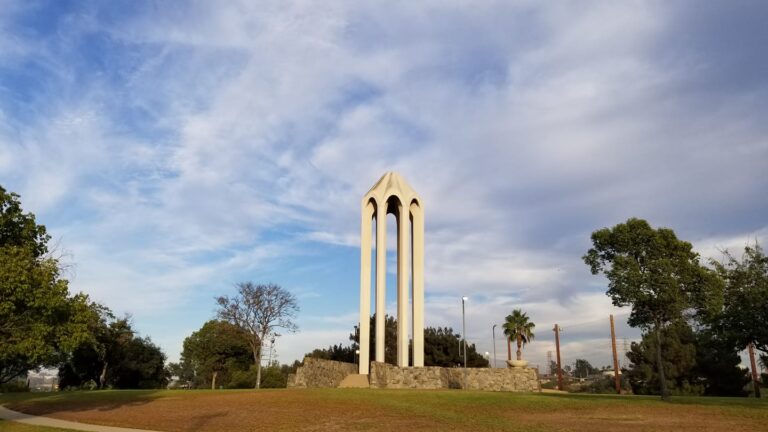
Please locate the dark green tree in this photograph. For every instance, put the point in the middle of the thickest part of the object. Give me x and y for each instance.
(582, 368)
(679, 345)
(442, 347)
(113, 357)
(390, 339)
(718, 364)
(697, 361)
(91, 360)
(335, 352)
(655, 273)
(141, 366)
(215, 350)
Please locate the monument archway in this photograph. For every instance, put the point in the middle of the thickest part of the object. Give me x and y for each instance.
(392, 194)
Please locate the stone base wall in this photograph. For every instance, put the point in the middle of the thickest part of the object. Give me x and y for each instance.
(317, 373)
(320, 373)
(383, 375)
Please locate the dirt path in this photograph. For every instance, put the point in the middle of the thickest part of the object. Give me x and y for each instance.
(6, 414)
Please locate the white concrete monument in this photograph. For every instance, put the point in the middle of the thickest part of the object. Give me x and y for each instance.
(391, 194)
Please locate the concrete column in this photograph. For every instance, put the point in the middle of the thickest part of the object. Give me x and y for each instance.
(365, 288)
(381, 276)
(417, 269)
(403, 254)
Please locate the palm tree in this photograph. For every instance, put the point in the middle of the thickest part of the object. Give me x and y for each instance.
(518, 327)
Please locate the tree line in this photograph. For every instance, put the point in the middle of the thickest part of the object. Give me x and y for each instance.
(442, 347)
(43, 324)
(695, 317)
(227, 352)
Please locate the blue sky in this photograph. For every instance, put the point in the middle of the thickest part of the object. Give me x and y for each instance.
(173, 149)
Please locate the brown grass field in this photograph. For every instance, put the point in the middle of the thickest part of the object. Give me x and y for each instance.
(389, 410)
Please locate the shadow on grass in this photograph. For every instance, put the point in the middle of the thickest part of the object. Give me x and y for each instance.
(199, 422)
(74, 401)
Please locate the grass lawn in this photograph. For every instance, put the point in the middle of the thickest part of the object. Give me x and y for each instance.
(390, 410)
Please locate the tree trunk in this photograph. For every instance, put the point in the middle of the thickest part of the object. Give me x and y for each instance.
(509, 349)
(519, 347)
(257, 363)
(257, 357)
(258, 375)
(213, 380)
(662, 378)
(103, 376)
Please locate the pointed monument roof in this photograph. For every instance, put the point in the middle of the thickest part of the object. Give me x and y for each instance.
(392, 183)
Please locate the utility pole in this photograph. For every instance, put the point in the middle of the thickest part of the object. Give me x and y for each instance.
(617, 378)
(559, 366)
(755, 381)
(464, 330)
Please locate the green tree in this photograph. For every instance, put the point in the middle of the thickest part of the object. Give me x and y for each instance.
(39, 320)
(679, 345)
(442, 347)
(718, 364)
(141, 366)
(184, 371)
(390, 339)
(745, 300)
(582, 368)
(91, 360)
(19, 229)
(652, 271)
(517, 326)
(215, 350)
(259, 310)
(274, 375)
(113, 356)
(336, 353)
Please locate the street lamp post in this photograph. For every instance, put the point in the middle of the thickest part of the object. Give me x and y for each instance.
(494, 345)
(464, 330)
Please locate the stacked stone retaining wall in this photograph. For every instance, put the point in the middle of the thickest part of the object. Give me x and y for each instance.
(512, 379)
(316, 373)
(320, 373)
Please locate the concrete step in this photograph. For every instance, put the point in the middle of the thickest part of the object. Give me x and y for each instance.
(355, 381)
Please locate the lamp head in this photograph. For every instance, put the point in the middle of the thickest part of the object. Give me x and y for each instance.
(465, 298)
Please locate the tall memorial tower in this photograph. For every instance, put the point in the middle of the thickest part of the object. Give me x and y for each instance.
(392, 194)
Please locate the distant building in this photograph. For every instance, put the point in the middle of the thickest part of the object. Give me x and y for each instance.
(43, 381)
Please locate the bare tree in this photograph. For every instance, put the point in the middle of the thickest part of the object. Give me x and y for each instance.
(259, 310)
